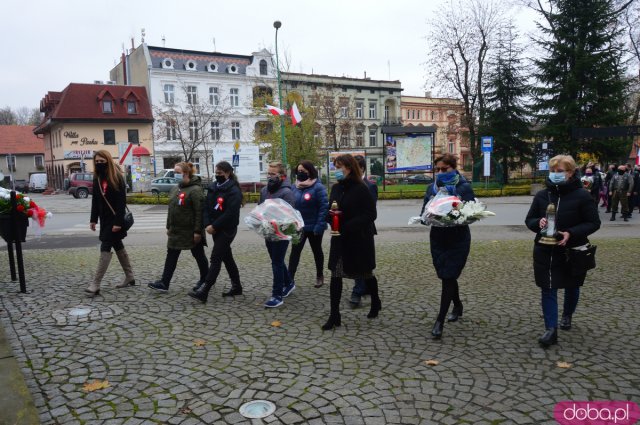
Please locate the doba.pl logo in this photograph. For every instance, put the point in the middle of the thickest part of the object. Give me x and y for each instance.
(596, 412)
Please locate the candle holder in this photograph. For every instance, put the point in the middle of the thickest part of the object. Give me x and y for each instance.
(549, 231)
(336, 218)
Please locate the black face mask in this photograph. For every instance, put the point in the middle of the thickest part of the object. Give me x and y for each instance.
(620, 171)
(273, 183)
(302, 176)
(101, 169)
(221, 179)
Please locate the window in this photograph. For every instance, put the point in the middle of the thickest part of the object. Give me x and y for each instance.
(359, 138)
(235, 130)
(372, 110)
(215, 130)
(234, 97)
(132, 137)
(171, 130)
(408, 114)
(418, 113)
(372, 91)
(109, 137)
(344, 140)
(39, 161)
(373, 137)
(261, 161)
(196, 163)
(131, 107)
(193, 130)
(168, 94)
(434, 116)
(386, 112)
(359, 107)
(192, 95)
(452, 147)
(263, 67)
(343, 112)
(214, 98)
(413, 114)
(107, 106)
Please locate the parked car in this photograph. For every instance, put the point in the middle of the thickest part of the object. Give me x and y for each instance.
(378, 180)
(38, 182)
(21, 185)
(163, 184)
(418, 179)
(171, 173)
(80, 185)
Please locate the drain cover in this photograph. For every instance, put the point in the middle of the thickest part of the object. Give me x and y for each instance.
(257, 409)
(80, 310)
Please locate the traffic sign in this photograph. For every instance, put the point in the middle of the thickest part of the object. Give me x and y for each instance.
(235, 162)
(487, 143)
(124, 152)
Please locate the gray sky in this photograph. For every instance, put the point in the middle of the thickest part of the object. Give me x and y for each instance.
(49, 44)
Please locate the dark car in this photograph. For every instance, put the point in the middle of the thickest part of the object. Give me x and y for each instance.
(418, 179)
(378, 180)
(80, 185)
(22, 186)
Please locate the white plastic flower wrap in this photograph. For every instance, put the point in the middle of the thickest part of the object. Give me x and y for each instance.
(444, 210)
(276, 220)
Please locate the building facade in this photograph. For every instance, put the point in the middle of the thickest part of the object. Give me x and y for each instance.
(21, 152)
(445, 115)
(84, 118)
(200, 100)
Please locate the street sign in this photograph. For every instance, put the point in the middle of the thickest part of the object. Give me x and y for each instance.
(487, 143)
(487, 164)
(235, 162)
(236, 146)
(124, 152)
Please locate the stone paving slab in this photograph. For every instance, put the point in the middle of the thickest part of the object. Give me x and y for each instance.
(490, 368)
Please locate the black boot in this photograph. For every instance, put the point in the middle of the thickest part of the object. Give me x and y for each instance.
(197, 285)
(236, 289)
(550, 337)
(335, 292)
(376, 305)
(565, 323)
(202, 294)
(456, 313)
(613, 216)
(438, 327)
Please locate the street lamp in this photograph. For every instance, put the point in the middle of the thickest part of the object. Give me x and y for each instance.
(277, 25)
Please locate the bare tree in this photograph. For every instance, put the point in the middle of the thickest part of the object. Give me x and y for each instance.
(7, 116)
(27, 116)
(632, 27)
(336, 112)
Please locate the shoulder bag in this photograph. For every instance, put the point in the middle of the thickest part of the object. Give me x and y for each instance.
(128, 215)
(581, 259)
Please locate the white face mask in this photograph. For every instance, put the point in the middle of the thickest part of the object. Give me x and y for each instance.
(178, 176)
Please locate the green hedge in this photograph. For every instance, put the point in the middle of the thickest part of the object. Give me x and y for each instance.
(163, 198)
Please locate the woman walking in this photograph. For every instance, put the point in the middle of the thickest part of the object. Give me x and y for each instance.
(352, 252)
(311, 200)
(450, 246)
(108, 205)
(184, 225)
(221, 218)
(576, 218)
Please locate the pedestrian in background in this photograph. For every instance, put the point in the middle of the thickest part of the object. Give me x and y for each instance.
(450, 246)
(635, 195)
(620, 187)
(359, 287)
(313, 203)
(576, 219)
(184, 225)
(352, 252)
(607, 182)
(108, 205)
(278, 187)
(221, 219)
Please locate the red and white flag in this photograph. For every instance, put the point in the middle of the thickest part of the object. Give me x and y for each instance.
(275, 110)
(638, 156)
(295, 114)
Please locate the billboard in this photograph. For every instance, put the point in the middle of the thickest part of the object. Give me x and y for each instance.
(409, 152)
(247, 160)
(333, 155)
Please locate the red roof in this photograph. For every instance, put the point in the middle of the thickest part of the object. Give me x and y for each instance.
(19, 139)
(83, 102)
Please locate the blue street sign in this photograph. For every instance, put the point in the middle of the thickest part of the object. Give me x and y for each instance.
(235, 162)
(486, 143)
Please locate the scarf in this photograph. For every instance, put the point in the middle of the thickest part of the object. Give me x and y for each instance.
(305, 184)
(449, 180)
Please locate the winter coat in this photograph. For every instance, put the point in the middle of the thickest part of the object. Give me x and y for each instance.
(577, 214)
(621, 182)
(284, 192)
(101, 211)
(184, 217)
(450, 246)
(222, 206)
(355, 244)
(313, 204)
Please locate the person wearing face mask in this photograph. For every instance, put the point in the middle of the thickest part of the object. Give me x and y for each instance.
(352, 253)
(449, 246)
(108, 205)
(184, 225)
(621, 187)
(607, 181)
(592, 182)
(221, 219)
(576, 219)
(278, 187)
(312, 202)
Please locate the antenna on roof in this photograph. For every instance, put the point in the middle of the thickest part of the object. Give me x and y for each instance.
(143, 34)
(163, 40)
(214, 45)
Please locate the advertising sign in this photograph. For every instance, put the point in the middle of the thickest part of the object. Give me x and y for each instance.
(248, 160)
(335, 154)
(78, 154)
(409, 152)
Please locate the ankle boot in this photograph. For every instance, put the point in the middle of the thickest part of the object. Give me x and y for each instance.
(456, 313)
(613, 216)
(376, 305)
(438, 327)
(565, 322)
(202, 294)
(335, 293)
(549, 337)
(197, 285)
(319, 282)
(103, 264)
(236, 289)
(334, 321)
(123, 258)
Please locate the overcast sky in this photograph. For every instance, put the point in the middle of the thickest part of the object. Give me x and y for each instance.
(49, 44)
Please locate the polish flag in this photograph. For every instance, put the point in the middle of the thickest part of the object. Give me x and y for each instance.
(638, 156)
(275, 110)
(295, 114)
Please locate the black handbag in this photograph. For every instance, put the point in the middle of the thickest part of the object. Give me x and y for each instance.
(582, 260)
(128, 215)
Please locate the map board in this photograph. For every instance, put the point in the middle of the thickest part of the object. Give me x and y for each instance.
(407, 153)
(248, 169)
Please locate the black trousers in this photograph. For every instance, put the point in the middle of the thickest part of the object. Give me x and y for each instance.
(171, 262)
(222, 253)
(450, 292)
(316, 246)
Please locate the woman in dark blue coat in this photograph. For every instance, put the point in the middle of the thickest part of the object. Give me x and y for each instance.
(576, 218)
(313, 204)
(449, 245)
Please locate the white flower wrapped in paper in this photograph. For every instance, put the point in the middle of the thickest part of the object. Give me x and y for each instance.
(444, 210)
(276, 220)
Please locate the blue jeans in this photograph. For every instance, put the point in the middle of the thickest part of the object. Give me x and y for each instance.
(359, 288)
(550, 304)
(277, 252)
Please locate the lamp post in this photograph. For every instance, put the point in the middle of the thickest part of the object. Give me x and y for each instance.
(277, 25)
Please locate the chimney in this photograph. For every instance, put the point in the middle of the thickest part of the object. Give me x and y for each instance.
(365, 75)
(427, 94)
(124, 69)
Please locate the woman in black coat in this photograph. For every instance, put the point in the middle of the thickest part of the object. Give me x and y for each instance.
(576, 218)
(352, 253)
(450, 246)
(108, 204)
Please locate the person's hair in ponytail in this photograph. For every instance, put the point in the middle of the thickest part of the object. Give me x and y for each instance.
(225, 167)
(187, 168)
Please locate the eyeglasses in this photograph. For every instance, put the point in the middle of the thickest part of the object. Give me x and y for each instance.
(442, 169)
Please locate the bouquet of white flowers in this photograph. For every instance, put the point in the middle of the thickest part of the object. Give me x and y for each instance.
(276, 220)
(444, 210)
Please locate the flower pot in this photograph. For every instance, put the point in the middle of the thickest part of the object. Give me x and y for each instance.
(17, 232)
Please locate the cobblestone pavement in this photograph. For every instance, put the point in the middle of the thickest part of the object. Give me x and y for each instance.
(490, 368)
